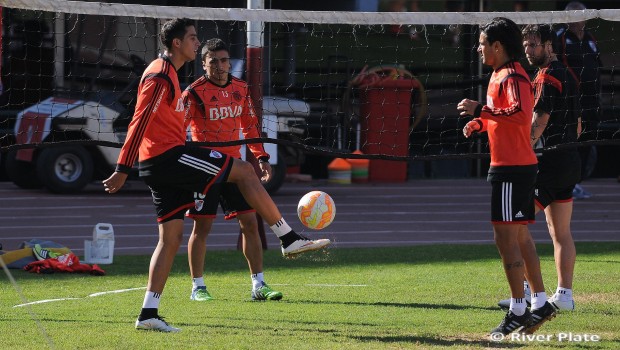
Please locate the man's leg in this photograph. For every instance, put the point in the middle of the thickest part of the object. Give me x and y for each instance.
(506, 240)
(170, 236)
(252, 248)
(243, 175)
(531, 260)
(253, 251)
(196, 251)
(558, 220)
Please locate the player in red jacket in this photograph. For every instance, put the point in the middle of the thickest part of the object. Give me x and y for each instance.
(218, 108)
(177, 173)
(507, 120)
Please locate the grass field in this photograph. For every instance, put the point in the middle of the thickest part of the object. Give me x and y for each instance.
(373, 298)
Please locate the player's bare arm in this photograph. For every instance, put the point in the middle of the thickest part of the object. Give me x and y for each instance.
(540, 120)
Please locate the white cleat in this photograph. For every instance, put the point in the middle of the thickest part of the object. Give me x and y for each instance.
(562, 305)
(304, 245)
(156, 324)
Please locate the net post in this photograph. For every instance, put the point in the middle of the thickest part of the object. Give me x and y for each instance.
(254, 65)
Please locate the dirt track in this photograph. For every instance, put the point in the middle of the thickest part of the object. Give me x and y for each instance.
(416, 212)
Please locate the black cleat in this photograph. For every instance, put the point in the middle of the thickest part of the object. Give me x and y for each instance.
(512, 323)
(540, 316)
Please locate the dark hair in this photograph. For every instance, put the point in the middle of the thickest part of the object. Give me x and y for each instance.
(174, 29)
(212, 45)
(542, 31)
(507, 33)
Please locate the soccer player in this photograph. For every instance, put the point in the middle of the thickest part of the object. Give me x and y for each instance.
(555, 122)
(507, 119)
(175, 172)
(219, 106)
(578, 50)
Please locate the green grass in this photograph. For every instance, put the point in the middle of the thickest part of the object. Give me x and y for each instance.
(398, 298)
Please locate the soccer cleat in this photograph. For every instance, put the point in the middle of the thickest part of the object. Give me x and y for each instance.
(303, 244)
(512, 323)
(540, 316)
(156, 324)
(201, 294)
(265, 292)
(42, 254)
(561, 305)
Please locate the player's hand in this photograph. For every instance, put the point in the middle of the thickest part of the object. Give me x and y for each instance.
(467, 107)
(470, 128)
(266, 171)
(114, 183)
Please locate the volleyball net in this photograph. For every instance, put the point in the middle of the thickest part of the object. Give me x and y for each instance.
(385, 83)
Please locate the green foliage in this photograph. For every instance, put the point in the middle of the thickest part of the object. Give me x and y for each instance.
(435, 296)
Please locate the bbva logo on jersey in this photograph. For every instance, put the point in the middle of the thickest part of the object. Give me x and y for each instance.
(225, 112)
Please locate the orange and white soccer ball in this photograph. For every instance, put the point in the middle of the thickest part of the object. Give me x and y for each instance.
(316, 210)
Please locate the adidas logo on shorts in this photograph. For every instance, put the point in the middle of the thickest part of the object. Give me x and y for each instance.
(519, 215)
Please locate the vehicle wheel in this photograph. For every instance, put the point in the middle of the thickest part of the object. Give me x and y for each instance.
(65, 169)
(277, 178)
(23, 174)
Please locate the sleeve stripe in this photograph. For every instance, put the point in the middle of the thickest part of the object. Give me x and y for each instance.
(140, 128)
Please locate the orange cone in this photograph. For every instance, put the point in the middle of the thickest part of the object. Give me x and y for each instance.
(339, 171)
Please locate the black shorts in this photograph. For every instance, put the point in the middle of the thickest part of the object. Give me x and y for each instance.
(557, 178)
(225, 194)
(179, 175)
(512, 197)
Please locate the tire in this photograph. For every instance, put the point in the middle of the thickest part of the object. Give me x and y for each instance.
(277, 178)
(23, 174)
(66, 169)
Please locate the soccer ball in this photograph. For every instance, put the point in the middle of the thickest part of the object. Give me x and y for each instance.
(316, 210)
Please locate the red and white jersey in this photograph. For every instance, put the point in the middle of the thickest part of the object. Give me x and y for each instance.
(219, 113)
(507, 117)
(157, 123)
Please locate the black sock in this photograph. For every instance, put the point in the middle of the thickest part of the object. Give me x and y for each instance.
(289, 238)
(145, 314)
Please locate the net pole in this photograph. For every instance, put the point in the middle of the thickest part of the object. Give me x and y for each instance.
(480, 99)
(59, 54)
(1, 33)
(254, 69)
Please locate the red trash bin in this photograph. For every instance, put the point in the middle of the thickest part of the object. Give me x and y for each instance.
(385, 114)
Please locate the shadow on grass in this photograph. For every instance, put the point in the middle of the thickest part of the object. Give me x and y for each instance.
(400, 305)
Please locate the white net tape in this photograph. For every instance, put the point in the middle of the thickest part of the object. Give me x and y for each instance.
(317, 17)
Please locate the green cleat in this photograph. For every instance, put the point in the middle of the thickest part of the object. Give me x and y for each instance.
(201, 294)
(42, 254)
(265, 292)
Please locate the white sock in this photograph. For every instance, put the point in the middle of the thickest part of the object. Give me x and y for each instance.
(151, 300)
(526, 288)
(198, 282)
(517, 306)
(257, 280)
(564, 293)
(281, 228)
(538, 300)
